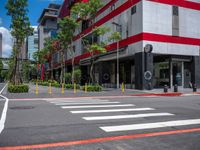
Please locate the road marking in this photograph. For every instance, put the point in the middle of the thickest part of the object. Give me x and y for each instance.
(3, 88)
(110, 110)
(79, 101)
(98, 140)
(4, 112)
(150, 125)
(127, 116)
(88, 103)
(98, 106)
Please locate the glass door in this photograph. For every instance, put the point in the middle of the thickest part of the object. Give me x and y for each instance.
(177, 73)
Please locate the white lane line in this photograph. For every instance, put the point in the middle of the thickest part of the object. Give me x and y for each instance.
(69, 99)
(4, 112)
(97, 106)
(127, 116)
(3, 88)
(151, 125)
(79, 101)
(110, 110)
(88, 103)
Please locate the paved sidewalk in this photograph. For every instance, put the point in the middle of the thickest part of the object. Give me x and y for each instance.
(56, 93)
(43, 92)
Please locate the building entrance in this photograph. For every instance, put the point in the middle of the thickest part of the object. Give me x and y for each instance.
(177, 75)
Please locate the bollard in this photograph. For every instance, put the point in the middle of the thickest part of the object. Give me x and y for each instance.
(175, 88)
(50, 90)
(74, 88)
(123, 87)
(36, 90)
(194, 88)
(63, 88)
(149, 86)
(165, 89)
(85, 87)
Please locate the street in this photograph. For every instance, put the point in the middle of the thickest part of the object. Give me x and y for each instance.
(103, 123)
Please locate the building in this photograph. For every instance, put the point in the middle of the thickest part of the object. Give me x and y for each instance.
(160, 43)
(48, 23)
(32, 43)
(1, 44)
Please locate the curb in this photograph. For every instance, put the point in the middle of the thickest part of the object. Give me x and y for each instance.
(172, 94)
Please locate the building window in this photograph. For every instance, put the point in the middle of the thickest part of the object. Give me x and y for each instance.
(175, 11)
(175, 21)
(133, 10)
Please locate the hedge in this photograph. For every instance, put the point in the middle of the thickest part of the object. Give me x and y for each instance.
(71, 86)
(18, 88)
(93, 88)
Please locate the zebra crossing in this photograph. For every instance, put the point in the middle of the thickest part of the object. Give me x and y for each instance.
(93, 109)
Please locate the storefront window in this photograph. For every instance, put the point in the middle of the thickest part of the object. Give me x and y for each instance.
(161, 74)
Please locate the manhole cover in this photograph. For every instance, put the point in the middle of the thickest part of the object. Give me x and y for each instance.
(22, 107)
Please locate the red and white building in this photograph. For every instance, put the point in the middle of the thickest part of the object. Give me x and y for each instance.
(171, 27)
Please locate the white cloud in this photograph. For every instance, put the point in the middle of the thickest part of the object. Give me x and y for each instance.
(7, 42)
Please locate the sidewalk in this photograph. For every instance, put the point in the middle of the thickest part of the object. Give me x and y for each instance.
(56, 93)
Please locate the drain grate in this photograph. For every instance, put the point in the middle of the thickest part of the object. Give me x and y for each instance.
(22, 107)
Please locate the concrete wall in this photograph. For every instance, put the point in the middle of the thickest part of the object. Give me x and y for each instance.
(157, 18)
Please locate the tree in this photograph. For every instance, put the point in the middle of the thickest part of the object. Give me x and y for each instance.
(87, 11)
(20, 25)
(67, 27)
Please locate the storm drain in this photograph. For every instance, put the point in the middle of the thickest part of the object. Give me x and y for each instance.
(22, 107)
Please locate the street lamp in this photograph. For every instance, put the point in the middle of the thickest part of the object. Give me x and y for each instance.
(119, 30)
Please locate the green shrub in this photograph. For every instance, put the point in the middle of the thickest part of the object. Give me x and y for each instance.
(55, 85)
(93, 88)
(18, 88)
(71, 86)
(68, 78)
(77, 76)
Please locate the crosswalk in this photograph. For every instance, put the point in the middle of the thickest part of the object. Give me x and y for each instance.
(90, 109)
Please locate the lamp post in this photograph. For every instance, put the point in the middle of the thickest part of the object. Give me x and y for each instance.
(119, 30)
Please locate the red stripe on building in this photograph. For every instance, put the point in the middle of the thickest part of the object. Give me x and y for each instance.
(170, 39)
(144, 36)
(112, 14)
(181, 3)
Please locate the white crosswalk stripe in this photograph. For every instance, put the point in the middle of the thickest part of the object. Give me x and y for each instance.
(117, 111)
(151, 125)
(127, 116)
(87, 103)
(97, 106)
(110, 110)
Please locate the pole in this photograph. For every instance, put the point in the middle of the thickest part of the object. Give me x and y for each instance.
(63, 91)
(118, 64)
(36, 90)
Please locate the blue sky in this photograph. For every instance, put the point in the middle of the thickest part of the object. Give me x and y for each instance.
(35, 9)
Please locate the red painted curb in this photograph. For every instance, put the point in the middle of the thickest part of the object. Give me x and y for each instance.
(158, 94)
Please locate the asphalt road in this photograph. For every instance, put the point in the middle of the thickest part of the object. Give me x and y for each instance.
(172, 123)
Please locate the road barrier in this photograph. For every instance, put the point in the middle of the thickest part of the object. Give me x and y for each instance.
(74, 88)
(63, 88)
(50, 88)
(85, 87)
(123, 88)
(36, 90)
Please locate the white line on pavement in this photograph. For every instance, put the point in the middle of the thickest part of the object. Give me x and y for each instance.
(88, 103)
(127, 116)
(110, 110)
(150, 125)
(98, 106)
(4, 112)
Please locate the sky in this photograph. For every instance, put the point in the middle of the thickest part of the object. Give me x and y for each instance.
(35, 8)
